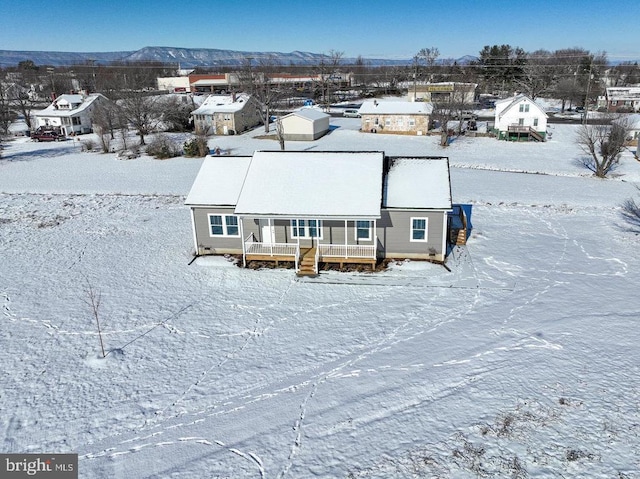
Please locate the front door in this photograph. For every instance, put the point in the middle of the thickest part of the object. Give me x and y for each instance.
(268, 232)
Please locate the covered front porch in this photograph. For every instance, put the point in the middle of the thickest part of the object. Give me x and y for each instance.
(309, 242)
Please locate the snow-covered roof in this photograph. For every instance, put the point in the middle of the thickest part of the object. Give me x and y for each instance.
(83, 101)
(313, 184)
(418, 183)
(395, 108)
(501, 109)
(309, 114)
(219, 181)
(222, 104)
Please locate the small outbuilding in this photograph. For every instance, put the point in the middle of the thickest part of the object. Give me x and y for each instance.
(306, 124)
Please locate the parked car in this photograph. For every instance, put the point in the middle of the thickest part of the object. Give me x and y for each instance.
(46, 135)
(351, 114)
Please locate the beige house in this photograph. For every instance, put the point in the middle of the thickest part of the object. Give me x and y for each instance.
(306, 124)
(400, 117)
(226, 114)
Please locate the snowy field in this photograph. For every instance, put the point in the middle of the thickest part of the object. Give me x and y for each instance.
(523, 361)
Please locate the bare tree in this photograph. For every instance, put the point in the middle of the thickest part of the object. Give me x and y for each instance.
(93, 301)
(603, 144)
(6, 113)
(631, 215)
(326, 72)
(449, 108)
(257, 81)
(140, 110)
(537, 74)
(105, 121)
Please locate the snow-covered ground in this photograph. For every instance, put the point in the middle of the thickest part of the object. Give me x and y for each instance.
(520, 362)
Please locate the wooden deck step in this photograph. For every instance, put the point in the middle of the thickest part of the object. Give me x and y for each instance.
(308, 265)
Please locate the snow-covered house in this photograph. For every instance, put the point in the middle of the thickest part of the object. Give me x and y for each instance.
(403, 117)
(305, 124)
(226, 114)
(70, 114)
(520, 118)
(621, 99)
(308, 207)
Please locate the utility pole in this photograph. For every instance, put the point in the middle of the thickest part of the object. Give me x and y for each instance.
(586, 100)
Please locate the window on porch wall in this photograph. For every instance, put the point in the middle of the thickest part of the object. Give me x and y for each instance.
(306, 229)
(363, 230)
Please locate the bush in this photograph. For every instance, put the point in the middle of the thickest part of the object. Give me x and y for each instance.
(88, 145)
(196, 147)
(162, 147)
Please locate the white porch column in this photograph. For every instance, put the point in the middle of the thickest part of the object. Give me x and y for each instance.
(244, 248)
(346, 241)
(375, 238)
(444, 234)
(195, 234)
(271, 238)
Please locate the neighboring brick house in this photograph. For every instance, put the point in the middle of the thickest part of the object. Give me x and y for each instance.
(400, 117)
(622, 99)
(226, 114)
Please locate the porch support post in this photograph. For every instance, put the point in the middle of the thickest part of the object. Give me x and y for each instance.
(244, 247)
(375, 239)
(270, 237)
(195, 234)
(444, 234)
(346, 240)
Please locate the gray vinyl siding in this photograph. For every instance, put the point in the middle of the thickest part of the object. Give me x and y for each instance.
(394, 234)
(208, 244)
(332, 232)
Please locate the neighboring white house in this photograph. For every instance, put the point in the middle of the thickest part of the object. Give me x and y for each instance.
(71, 114)
(403, 117)
(306, 124)
(226, 114)
(520, 118)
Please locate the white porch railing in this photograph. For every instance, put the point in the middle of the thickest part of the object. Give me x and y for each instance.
(346, 251)
(271, 249)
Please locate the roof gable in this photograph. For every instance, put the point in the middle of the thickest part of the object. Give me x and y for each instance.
(417, 183)
(311, 114)
(511, 103)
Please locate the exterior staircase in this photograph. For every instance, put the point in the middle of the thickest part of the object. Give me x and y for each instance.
(308, 265)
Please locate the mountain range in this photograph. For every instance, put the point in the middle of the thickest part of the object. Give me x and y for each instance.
(182, 57)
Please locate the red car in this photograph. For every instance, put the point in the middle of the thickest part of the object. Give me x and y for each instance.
(47, 135)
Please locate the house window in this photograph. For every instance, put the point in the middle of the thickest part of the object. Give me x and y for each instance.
(524, 107)
(419, 229)
(387, 122)
(521, 121)
(306, 229)
(363, 230)
(412, 123)
(400, 122)
(223, 225)
(535, 122)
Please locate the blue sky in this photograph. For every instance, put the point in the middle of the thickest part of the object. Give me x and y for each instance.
(373, 29)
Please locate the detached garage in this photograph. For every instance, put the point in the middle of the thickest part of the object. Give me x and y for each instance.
(306, 124)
